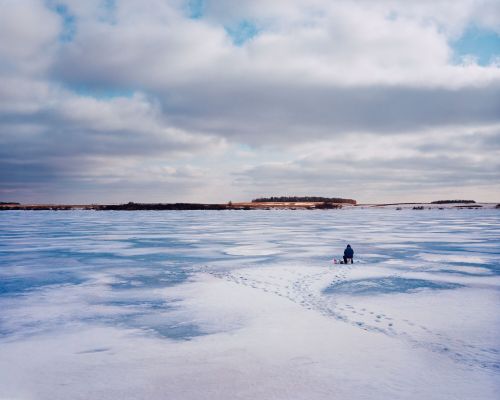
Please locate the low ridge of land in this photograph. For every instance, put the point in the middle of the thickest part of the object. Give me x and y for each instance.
(131, 206)
(298, 203)
(304, 199)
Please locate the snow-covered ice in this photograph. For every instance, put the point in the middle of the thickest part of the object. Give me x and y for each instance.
(248, 305)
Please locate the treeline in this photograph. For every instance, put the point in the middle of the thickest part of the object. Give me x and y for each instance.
(302, 199)
(20, 207)
(453, 201)
(161, 206)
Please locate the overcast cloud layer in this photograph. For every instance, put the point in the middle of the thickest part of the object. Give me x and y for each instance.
(173, 100)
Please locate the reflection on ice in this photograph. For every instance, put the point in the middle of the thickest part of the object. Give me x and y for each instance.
(252, 250)
(367, 287)
(151, 280)
(17, 285)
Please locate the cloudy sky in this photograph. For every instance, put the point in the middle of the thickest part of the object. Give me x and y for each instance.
(216, 100)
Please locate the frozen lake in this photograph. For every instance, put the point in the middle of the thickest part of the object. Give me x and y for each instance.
(248, 305)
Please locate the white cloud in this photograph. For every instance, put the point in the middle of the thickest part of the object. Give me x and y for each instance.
(28, 33)
(421, 166)
(143, 91)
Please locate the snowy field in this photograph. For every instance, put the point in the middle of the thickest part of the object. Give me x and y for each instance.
(248, 305)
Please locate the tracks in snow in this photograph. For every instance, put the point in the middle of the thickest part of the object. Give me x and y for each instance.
(305, 288)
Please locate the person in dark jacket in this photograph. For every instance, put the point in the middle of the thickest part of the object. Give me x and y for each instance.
(348, 254)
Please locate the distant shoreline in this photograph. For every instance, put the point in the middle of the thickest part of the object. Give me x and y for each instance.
(177, 206)
(239, 206)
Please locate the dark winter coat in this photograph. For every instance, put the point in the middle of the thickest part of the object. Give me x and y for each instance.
(348, 252)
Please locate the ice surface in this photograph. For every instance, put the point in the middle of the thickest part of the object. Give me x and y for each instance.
(386, 285)
(248, 305)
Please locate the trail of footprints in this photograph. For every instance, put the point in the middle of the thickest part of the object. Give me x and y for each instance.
(305, 290)
(301, 290)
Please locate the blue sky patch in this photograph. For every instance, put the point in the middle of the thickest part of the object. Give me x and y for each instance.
(242, 32)
(195, 8)
(109, 11)
(100, 94)
(481, 44)
(69, 22)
